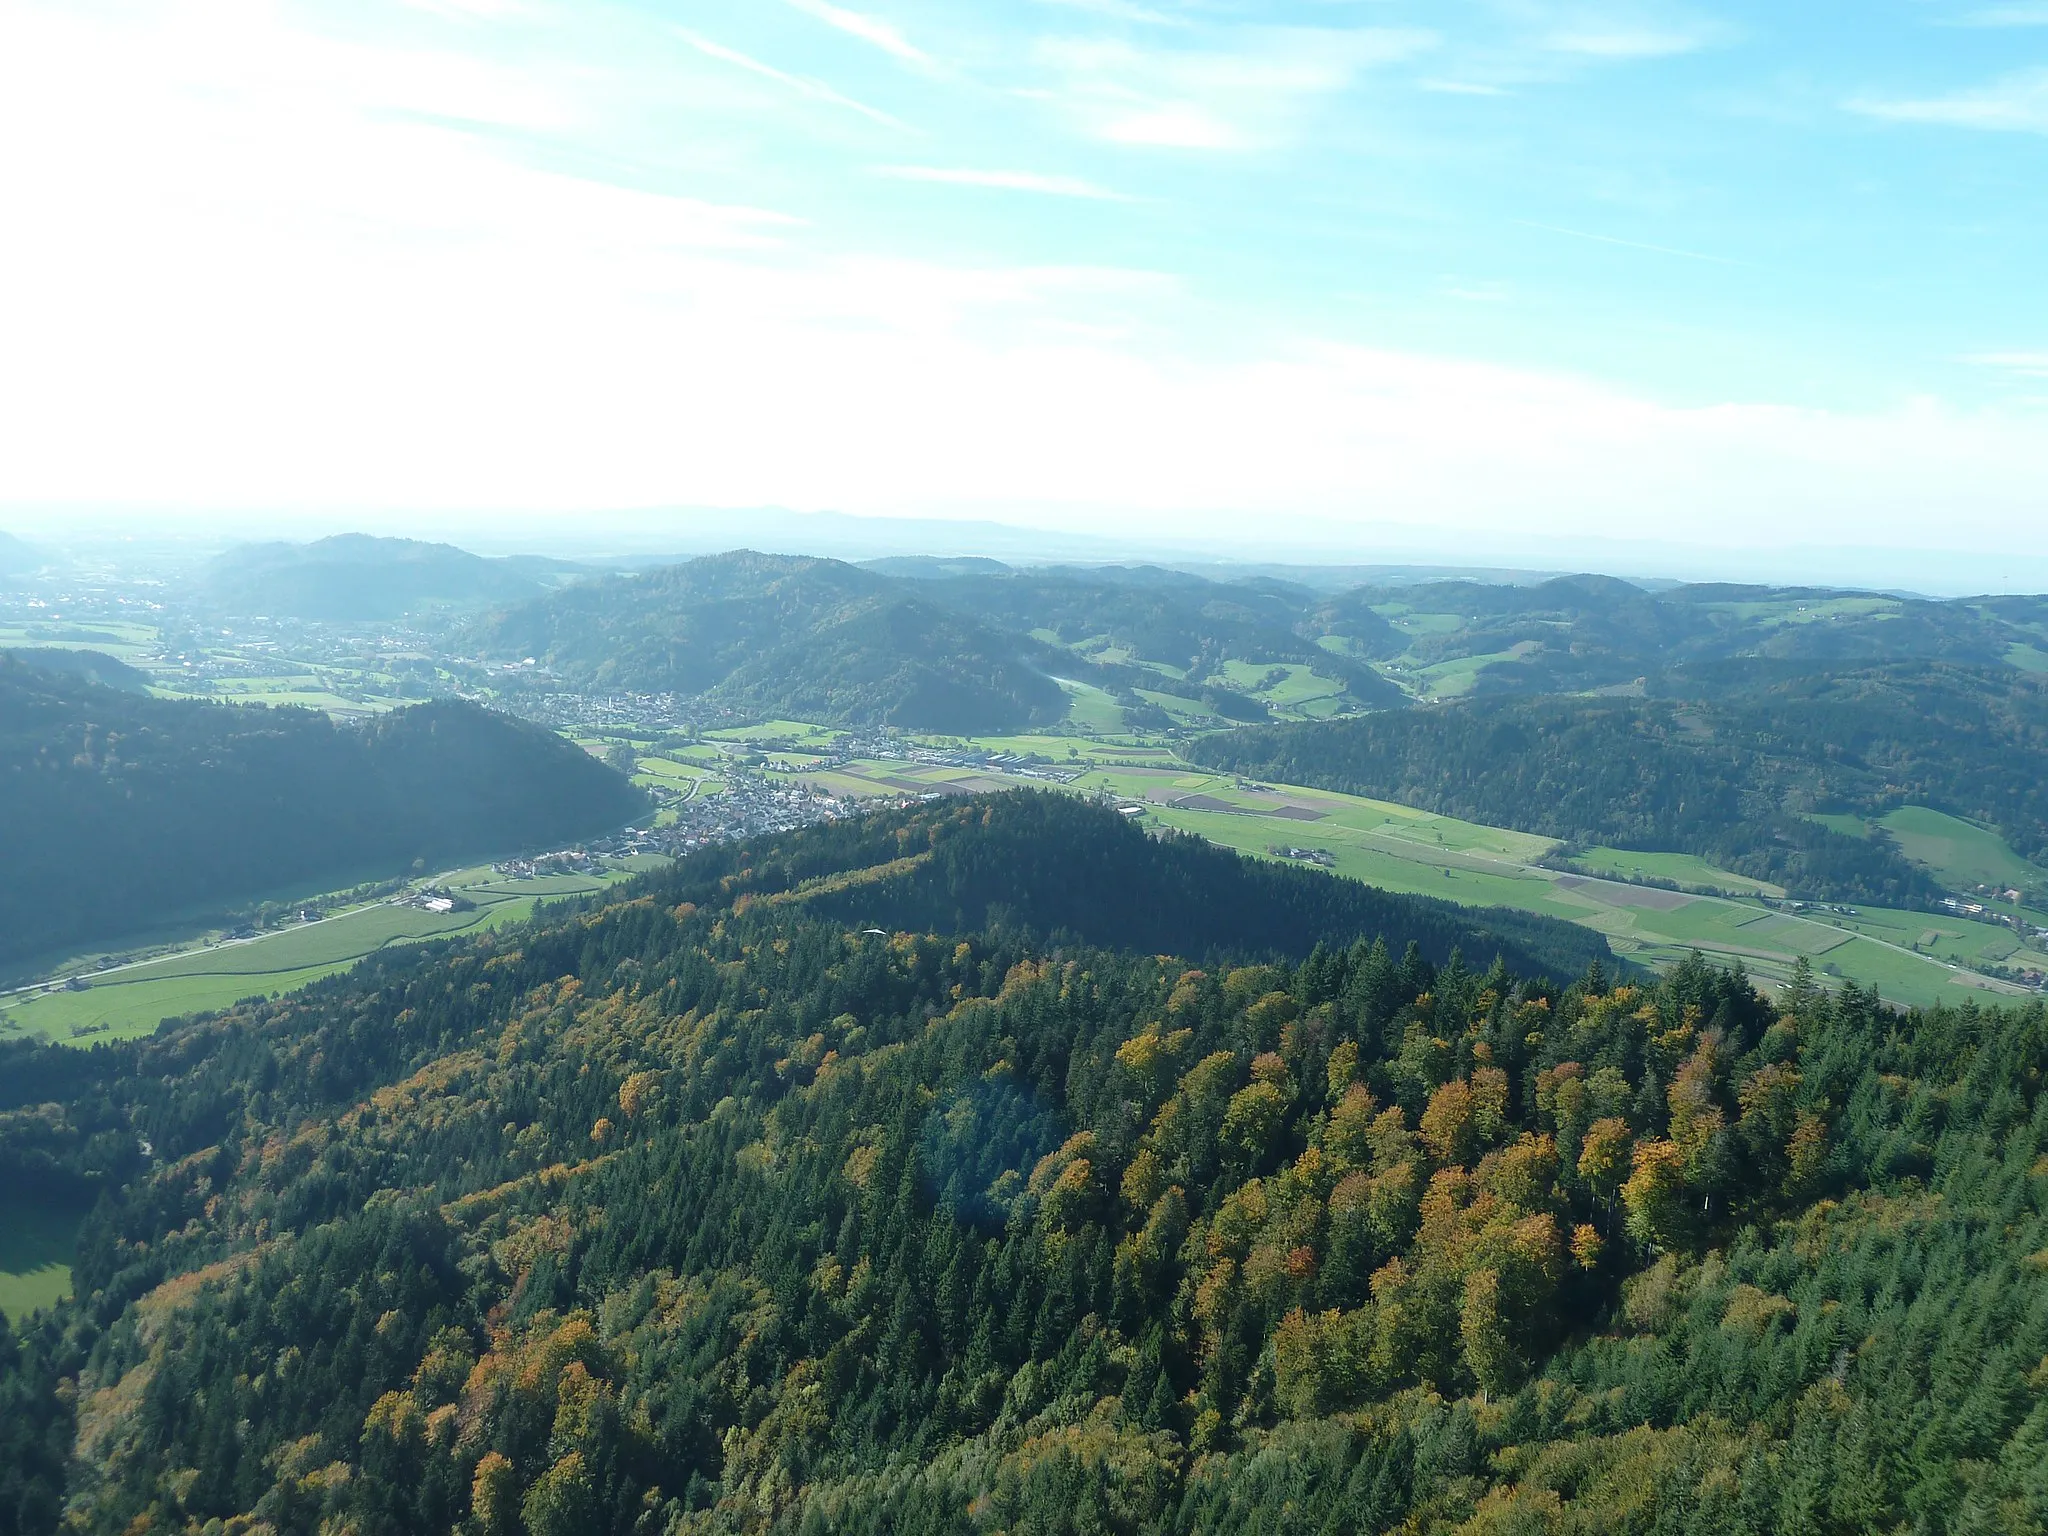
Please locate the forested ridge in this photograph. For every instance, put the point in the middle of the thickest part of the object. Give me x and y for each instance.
(779, 635)
(1729, 772)
(353, 577)
(707, 1210)
(836, 643)
(123, 810)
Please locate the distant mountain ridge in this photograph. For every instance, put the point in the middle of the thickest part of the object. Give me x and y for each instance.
(124, 810)
(357, 577)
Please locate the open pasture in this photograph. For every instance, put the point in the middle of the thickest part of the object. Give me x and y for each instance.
(1682, 869)
(1090, 709)
(1287, 688)
(36, 1242)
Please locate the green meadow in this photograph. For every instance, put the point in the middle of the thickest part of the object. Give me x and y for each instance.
(1295, 690)
(1683, 869)
(1960, 853)
(36, 1243)
(1090, 709)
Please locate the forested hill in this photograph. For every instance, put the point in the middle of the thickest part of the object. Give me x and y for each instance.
(88, 666)
(724, 1215)
(1056, 866)
(1184, 623)
(354, 577)
(16, 556)
(1729, 775)
(782, 635)
(124, 810)
(937, 645)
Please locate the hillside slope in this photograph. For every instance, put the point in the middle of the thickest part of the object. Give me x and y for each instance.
(17, 557)
(85, 666)
(710, 1212)
(356, 577)
(1054, 865)
(1574, 634)
(784, 635)
(936, 645)
(125, 810)
(1728, 774)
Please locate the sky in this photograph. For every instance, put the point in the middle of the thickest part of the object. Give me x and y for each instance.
(1356, 277)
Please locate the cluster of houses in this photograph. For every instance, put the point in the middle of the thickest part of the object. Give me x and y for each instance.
(568, 861)
(1321, 856)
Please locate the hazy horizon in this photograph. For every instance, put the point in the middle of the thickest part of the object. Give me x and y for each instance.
(641, 537)
(1718, 284)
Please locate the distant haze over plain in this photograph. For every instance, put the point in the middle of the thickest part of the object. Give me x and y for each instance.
(1315, 553)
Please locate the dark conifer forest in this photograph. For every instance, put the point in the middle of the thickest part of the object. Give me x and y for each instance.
(809, 1187)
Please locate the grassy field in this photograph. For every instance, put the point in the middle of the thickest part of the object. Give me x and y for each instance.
(1090, 709)
(793, 733)
(1188, 712)
(1962, 854)
(1452, 679)
(124, 642)
(1419, 624)
(36, 1242)
(687, 778)
(1682, 868)
(130, 1001)
(1297, 692)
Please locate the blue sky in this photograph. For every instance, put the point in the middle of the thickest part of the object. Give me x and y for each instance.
(1350, 276)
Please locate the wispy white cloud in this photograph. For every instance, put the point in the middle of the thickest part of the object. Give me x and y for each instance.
(1243, 96)
(2027, 15)
(2018, 103)
(1005, 181)
(2028, 365)
(1633, 245)
(1464, 88)
(474, 10)
(816, 90)
(1625, 42)
(1122, 10)
(869, 29)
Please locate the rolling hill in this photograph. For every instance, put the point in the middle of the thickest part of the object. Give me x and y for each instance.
(126, 811)
(17, 557)
(778, 634)
(936, 645)
(88, 666)
(1737, 774)
(1575, 634)
(355, 577)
